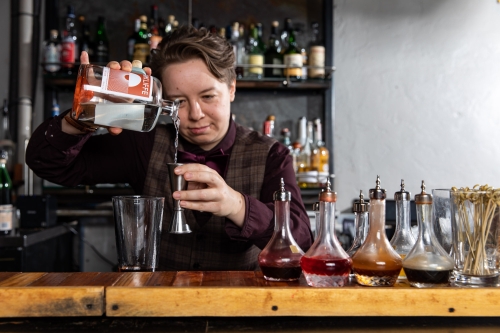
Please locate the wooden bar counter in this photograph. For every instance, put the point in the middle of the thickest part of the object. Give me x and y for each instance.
(225, 294)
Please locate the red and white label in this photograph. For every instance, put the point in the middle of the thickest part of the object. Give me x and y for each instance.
(68, 51)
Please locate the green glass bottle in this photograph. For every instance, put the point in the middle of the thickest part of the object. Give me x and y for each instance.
(255, 54)
(292, 58)
(273, 54)
(101, 42)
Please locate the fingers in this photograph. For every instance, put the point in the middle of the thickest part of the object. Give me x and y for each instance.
(126, 65)
(84, 58)
(147, 70)
(192, 167)
(114, 130)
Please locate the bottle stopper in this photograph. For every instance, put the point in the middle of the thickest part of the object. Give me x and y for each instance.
(282, 194)
(402, 194)
(377, 192)
(423, 198)
(360, 206)
(328, 195)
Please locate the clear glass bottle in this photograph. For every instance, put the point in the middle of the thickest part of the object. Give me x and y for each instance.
(376, 263)
(427, 264)
(52, 53)
(116, 98)
(360, 210)
(280, 259)
(326, 264)
(402, 241)
(6, 208)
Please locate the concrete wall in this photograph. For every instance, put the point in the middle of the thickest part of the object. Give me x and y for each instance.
(4, 50)
(417, 94)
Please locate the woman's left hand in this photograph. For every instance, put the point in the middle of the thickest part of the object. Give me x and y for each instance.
(208, 192)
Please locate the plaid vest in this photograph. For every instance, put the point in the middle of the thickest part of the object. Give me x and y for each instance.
(208, 247)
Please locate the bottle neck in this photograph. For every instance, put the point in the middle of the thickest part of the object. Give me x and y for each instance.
(377, 218)
(402, 215)
(361, 225)
(326, 221)
(282, 218)
(424, 218)
(169, 108)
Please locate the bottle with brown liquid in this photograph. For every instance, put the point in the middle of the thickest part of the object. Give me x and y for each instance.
(403, 240)
(376, 263)
(280, 259)
(427, 264)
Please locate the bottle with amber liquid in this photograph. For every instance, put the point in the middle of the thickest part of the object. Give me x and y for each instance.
(427, 264)
(326, 264)
(402, 241)
(376, 263)
(280, 259)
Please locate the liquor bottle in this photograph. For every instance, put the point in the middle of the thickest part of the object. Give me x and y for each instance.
(360, 210)
(268, 126)
(305, 153)
(260, 42)
(54, 109)
(141, 46)
(132, 38)
(273, 54)
(292, 58)
(316, 55)
(154, 31)
(255, 54)
(116, 98)
(301, 42)
(402, 241)
(232, 35)
(84, 42)
(376, 263)
(52, 53)
(320, 155)
(6, 209)
(170, 24)
(326, 264)
(101, 42)
(427, 264)
(68, 45)
(241, 57)
(280, 258)
(286, 139)
(284, 34)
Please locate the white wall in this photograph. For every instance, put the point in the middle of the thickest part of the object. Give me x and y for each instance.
(417, 95)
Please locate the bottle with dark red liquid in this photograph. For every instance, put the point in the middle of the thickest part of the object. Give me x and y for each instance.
(326, 264)
(427, 264)
(376, 263)
(280, 259)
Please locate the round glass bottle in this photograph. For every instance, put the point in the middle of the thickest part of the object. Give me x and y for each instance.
(402, 241)
(427, 264)
(280, 259)
(376, 263)
(326, 264)
(360, 210)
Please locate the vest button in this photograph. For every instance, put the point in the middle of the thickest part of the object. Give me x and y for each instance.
(196, 265)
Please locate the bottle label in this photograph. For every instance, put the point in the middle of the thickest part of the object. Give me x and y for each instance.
(141, 52)
(68, 52)
(128, 116)
(255, 59)
(317, 59)
(52, 57)
(277, 71)
(294, 64)
(124, 84)
(6, 217)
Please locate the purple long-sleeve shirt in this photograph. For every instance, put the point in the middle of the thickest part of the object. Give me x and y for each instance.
(72, 160)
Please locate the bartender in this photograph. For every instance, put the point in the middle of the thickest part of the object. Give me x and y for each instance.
(232, 171)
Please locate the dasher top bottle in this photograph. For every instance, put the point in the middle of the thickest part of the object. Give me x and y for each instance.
(427, 264)
(403, 239)
(326, 264)
(376, 263)
(280, 259)
(114, 98)
(360, 210)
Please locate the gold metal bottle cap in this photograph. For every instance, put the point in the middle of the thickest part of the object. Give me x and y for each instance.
(402, 195)
(423, 198)
(360, 206)
(282, 194)
(377, 192)
(327, 195)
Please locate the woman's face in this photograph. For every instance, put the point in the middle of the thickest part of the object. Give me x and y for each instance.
(205, 102)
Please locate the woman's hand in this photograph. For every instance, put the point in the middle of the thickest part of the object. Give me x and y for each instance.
(208, 192)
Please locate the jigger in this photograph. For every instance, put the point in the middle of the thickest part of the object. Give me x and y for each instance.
(177, 183)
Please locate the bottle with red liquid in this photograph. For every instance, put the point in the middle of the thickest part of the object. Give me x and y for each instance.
(326, 264)
(376, 263)
(280, 259)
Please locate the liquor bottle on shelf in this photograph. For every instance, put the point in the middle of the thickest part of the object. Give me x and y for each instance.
(427, 264)
(316, 57)
(52, 53)
(284, 34)
(68, 45)
(170, 24)
(141, 46)
(268, 126)
(376, 263)
(154, 31)
(260, 42)
(402, 241)
(326, 264)
(360, 210)
(132, 39)
(6, 208)
(306, 152)
(241, 57)
(101, 54)
(292, 58)
(301, 40)
(273, 54)
(280, 258)
(320, 154)
(232, 34)
(255, 54)
(84, 42)
(115, 98)
(286, 138)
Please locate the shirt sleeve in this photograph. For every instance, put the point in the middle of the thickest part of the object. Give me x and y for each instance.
(72, 160)
(259, 215)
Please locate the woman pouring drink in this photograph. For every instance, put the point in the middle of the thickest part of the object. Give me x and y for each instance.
(231, 171)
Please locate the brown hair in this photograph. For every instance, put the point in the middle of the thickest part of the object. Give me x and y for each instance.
(187, 43)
